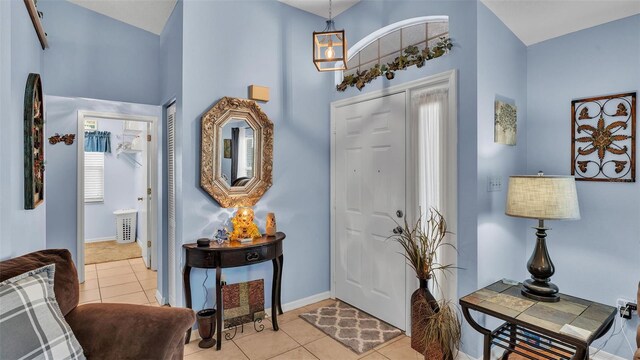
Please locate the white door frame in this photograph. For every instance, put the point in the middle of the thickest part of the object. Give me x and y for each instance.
(152, 163)
(447, 79)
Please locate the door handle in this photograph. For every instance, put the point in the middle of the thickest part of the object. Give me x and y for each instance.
(140, 199)
(399, 213)
(397, 230)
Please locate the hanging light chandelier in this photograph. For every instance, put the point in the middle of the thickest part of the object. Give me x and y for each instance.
(330, 47)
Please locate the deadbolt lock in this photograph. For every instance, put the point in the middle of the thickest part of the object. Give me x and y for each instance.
(399, 213)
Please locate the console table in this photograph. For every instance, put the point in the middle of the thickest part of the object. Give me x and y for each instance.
(532, 328)
(233, 254)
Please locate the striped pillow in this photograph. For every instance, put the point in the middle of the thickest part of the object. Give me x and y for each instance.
(31, 323)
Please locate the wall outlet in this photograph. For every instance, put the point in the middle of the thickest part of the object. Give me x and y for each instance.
(626, 308)
(494, 183)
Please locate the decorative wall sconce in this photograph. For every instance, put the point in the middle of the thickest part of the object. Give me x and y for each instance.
(68, 139)
(259, 93)
(330, 47)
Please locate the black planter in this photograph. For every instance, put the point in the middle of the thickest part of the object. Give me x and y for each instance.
(206, 327)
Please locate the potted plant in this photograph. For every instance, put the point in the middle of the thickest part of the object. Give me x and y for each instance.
(435, 325)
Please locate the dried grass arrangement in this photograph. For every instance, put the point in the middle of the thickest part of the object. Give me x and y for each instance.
(435, 323)
(422, 242)
(442, 332)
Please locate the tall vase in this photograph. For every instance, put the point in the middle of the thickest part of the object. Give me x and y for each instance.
(423, 305)
(206, 327)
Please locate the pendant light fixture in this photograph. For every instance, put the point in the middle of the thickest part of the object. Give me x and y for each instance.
(330, 47)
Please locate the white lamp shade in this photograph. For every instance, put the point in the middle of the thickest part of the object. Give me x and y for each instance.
(543, 197)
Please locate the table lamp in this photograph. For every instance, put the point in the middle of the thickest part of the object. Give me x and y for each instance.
(542, 197)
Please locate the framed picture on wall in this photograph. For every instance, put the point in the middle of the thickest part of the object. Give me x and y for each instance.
(603, 138)
(227, 148)
(505, 126)
(33, 143)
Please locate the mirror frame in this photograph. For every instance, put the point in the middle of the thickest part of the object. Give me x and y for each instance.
(211, 179)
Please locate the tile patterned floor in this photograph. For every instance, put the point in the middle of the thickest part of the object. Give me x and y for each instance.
(129, 281)
(123, 281)
(296, 339)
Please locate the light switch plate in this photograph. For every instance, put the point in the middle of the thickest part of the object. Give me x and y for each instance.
(494, 183)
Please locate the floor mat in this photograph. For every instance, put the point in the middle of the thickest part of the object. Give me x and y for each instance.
(355, 329)
(105, 251)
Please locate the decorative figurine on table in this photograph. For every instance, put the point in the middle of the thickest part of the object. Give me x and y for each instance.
(271, 224)
(221, 235)
(244, 229)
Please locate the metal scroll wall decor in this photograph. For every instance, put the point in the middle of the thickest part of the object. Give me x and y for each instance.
(33, 143)
(603, 143)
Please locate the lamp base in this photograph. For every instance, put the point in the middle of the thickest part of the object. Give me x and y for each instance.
(544, 291)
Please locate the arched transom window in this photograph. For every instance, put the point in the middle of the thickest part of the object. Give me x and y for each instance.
(385, 45)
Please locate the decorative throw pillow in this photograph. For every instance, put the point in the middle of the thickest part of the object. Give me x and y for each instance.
(31, 323)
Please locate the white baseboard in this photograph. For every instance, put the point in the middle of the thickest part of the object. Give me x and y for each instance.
(108, 238)
(159, 298)
(464, 356)
(603, 355)
(303, 302)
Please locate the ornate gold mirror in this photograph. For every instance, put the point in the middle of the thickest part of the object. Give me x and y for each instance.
(236, 152)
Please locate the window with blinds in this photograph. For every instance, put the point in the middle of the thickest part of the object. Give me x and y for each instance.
(93, 177)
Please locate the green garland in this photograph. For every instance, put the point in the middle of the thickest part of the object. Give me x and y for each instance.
(412, 56)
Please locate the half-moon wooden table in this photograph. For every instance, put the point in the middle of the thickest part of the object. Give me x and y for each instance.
(233, 254)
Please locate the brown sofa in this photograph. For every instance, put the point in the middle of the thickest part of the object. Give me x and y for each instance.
(108, 331)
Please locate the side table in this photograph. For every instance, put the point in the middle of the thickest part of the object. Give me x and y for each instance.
(532, 329)
(234, 254)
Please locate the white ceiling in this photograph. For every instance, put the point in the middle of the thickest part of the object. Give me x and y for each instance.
(534, 21)
(321, 7)
(150, 15)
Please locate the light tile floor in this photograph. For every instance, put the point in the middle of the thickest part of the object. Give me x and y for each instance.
(129, 281)
(123, 281)
(296, 339)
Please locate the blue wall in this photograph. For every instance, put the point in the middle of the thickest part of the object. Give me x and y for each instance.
(21, 231)
(61, 184)
(595, 257)
(95, 56)
(171, 90)
(229, 45)
(368, 16)
(502, 72)
(121, 188)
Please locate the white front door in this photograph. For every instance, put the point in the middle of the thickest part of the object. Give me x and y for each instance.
(369, 200)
